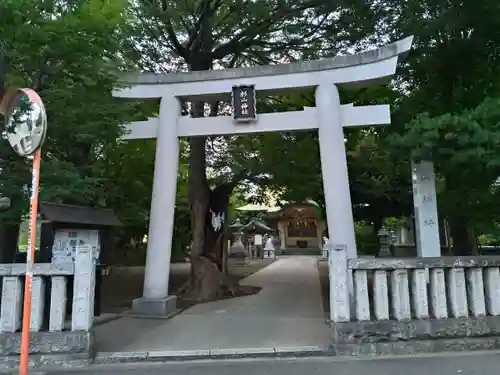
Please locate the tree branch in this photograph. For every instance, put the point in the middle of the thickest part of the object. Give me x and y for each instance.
(205, 12)
(246, 38)
(181, 51)
(246, 175)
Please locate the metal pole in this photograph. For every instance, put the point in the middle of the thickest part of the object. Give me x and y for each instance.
(30, 256)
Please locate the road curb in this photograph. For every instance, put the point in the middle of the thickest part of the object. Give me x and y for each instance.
(191, 355)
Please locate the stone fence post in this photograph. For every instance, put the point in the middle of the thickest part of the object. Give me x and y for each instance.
(340, 296)
(84, 289)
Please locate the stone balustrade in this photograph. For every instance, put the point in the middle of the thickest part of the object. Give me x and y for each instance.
(389, 305)
(51, 333)
(437, 288)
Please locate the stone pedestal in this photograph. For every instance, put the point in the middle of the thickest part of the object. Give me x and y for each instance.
(48, 350)
(389, 337)
(162, 307)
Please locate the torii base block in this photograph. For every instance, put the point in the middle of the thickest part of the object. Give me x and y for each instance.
(155, 308)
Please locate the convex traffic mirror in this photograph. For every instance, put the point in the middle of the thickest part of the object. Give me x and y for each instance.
(25, 120)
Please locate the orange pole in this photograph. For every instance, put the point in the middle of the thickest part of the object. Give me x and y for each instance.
(30, 256)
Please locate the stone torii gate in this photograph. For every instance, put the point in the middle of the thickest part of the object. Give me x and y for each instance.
(329, 117)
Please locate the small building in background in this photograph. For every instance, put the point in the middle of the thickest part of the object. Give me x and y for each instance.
(299, 226)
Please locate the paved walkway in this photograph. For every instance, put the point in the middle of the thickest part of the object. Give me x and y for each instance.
(287, 312)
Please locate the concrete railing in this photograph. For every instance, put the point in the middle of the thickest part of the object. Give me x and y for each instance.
(387, 301)
(50, 331)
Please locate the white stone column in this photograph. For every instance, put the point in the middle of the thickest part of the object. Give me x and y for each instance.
(57, 303)
(426, 214)
(339, 215)
(401, 308)
(492, 280)
(340, 281)
(82, 312)
(381, 295)
(155, 299)
(10, 309)
(438, 294)
(37, 303)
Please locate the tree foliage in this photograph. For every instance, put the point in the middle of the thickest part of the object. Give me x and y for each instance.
(65, 51)
(448, 108)
(71, 53)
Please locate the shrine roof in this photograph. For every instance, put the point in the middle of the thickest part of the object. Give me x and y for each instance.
(308, 203)
(257, 208)
(64, 213)
(399, 48)
(256, 225)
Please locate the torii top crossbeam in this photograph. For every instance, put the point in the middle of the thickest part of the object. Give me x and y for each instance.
(352, 71)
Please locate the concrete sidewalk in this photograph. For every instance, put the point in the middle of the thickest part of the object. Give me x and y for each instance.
(444, 364)
(286, 313)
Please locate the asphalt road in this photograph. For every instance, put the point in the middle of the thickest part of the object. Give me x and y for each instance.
(463, 364)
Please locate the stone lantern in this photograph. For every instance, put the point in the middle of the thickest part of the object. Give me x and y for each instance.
(237, 252)
(384, 237)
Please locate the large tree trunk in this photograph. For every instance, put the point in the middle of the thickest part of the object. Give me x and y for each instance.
(209, 217)
(208, 207)
(199, 199)
(207, 266)
(208, 224)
